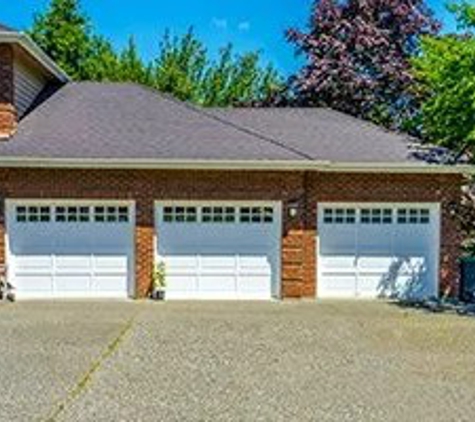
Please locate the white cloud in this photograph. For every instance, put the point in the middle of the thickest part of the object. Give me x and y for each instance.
(220, 23)
(244, 26)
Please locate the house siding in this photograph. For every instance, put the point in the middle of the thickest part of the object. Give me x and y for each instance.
(28, 84)
(306, 189)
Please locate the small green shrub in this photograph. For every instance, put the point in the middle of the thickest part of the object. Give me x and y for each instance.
(159, 277)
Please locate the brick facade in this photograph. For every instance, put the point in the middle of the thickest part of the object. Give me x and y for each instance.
(8, 118)
(292, 188)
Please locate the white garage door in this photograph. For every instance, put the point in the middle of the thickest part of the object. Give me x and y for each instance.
(219, 251)
(70, 249)
(378, 250)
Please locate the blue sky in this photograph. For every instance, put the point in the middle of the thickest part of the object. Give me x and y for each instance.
(248, 24)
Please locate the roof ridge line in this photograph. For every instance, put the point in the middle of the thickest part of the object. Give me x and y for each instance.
(246, 130)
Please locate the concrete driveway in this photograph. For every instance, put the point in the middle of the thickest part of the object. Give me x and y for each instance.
(136, 361)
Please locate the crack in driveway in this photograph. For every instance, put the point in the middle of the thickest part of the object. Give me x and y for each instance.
(86, 379)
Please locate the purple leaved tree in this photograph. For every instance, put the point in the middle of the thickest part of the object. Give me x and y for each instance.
(358, 57)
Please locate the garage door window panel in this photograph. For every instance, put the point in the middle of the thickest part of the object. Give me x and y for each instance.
(180, 214)
(33, 214)
(376, 216)
(413, 216)
(256, 215)
(72, 214)
(111, 214)
(339, 216)
(218, 214)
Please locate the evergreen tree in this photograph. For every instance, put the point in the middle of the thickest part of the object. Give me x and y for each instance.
(63, 32)
(131, 66)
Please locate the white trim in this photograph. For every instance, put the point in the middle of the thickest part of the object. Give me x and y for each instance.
(277, 165)
(31, 47)
(435, 206)
(278, 219)
(9, 205)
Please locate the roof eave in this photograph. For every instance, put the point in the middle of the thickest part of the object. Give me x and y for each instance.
(31, 47)
(270, 165)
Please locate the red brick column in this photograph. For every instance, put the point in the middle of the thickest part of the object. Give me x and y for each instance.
(8, 118)
(310, 251)
(292, 262)
(293, 246)
(451, 238)
(144, 247)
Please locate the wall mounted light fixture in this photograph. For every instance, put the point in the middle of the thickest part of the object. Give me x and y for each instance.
(453, 208)
(293, 209)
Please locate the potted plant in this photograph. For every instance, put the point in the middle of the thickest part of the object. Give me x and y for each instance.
(159, 282)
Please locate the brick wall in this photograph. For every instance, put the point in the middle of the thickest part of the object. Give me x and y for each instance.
(302, 189)
(7, 110)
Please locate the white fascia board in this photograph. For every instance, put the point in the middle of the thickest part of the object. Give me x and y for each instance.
(31, 47)
(104, 163)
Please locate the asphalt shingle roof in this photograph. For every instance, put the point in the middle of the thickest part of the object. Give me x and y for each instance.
(128, 121)
(324, 134)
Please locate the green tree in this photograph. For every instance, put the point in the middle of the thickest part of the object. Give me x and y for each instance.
(445, 75)
(238, 80)
(102, 63)
(63, 32)
(183, 67)
(180, 66)
(131, 66)
(184, 70)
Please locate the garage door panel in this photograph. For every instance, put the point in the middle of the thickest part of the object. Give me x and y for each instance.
(339, 284)
(31, 245)
(264, 273)
(373, 285)
(34, 264)
(110, 264)
(340, 241)
(254, 284)
(34, 283)
(375, 263)
(339, 262)
(218, 264)
(255, 264)
(412, 286)
(73, 263)
(181, 283)
(110, 283)
(372, 246)
(413, 264)
(180, 264)
(217, 283)
(72, 283)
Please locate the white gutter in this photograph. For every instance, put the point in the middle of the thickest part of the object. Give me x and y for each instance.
(31, 47)
(279, 165)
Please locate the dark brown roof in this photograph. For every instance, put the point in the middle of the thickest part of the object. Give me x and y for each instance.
(128, 121)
